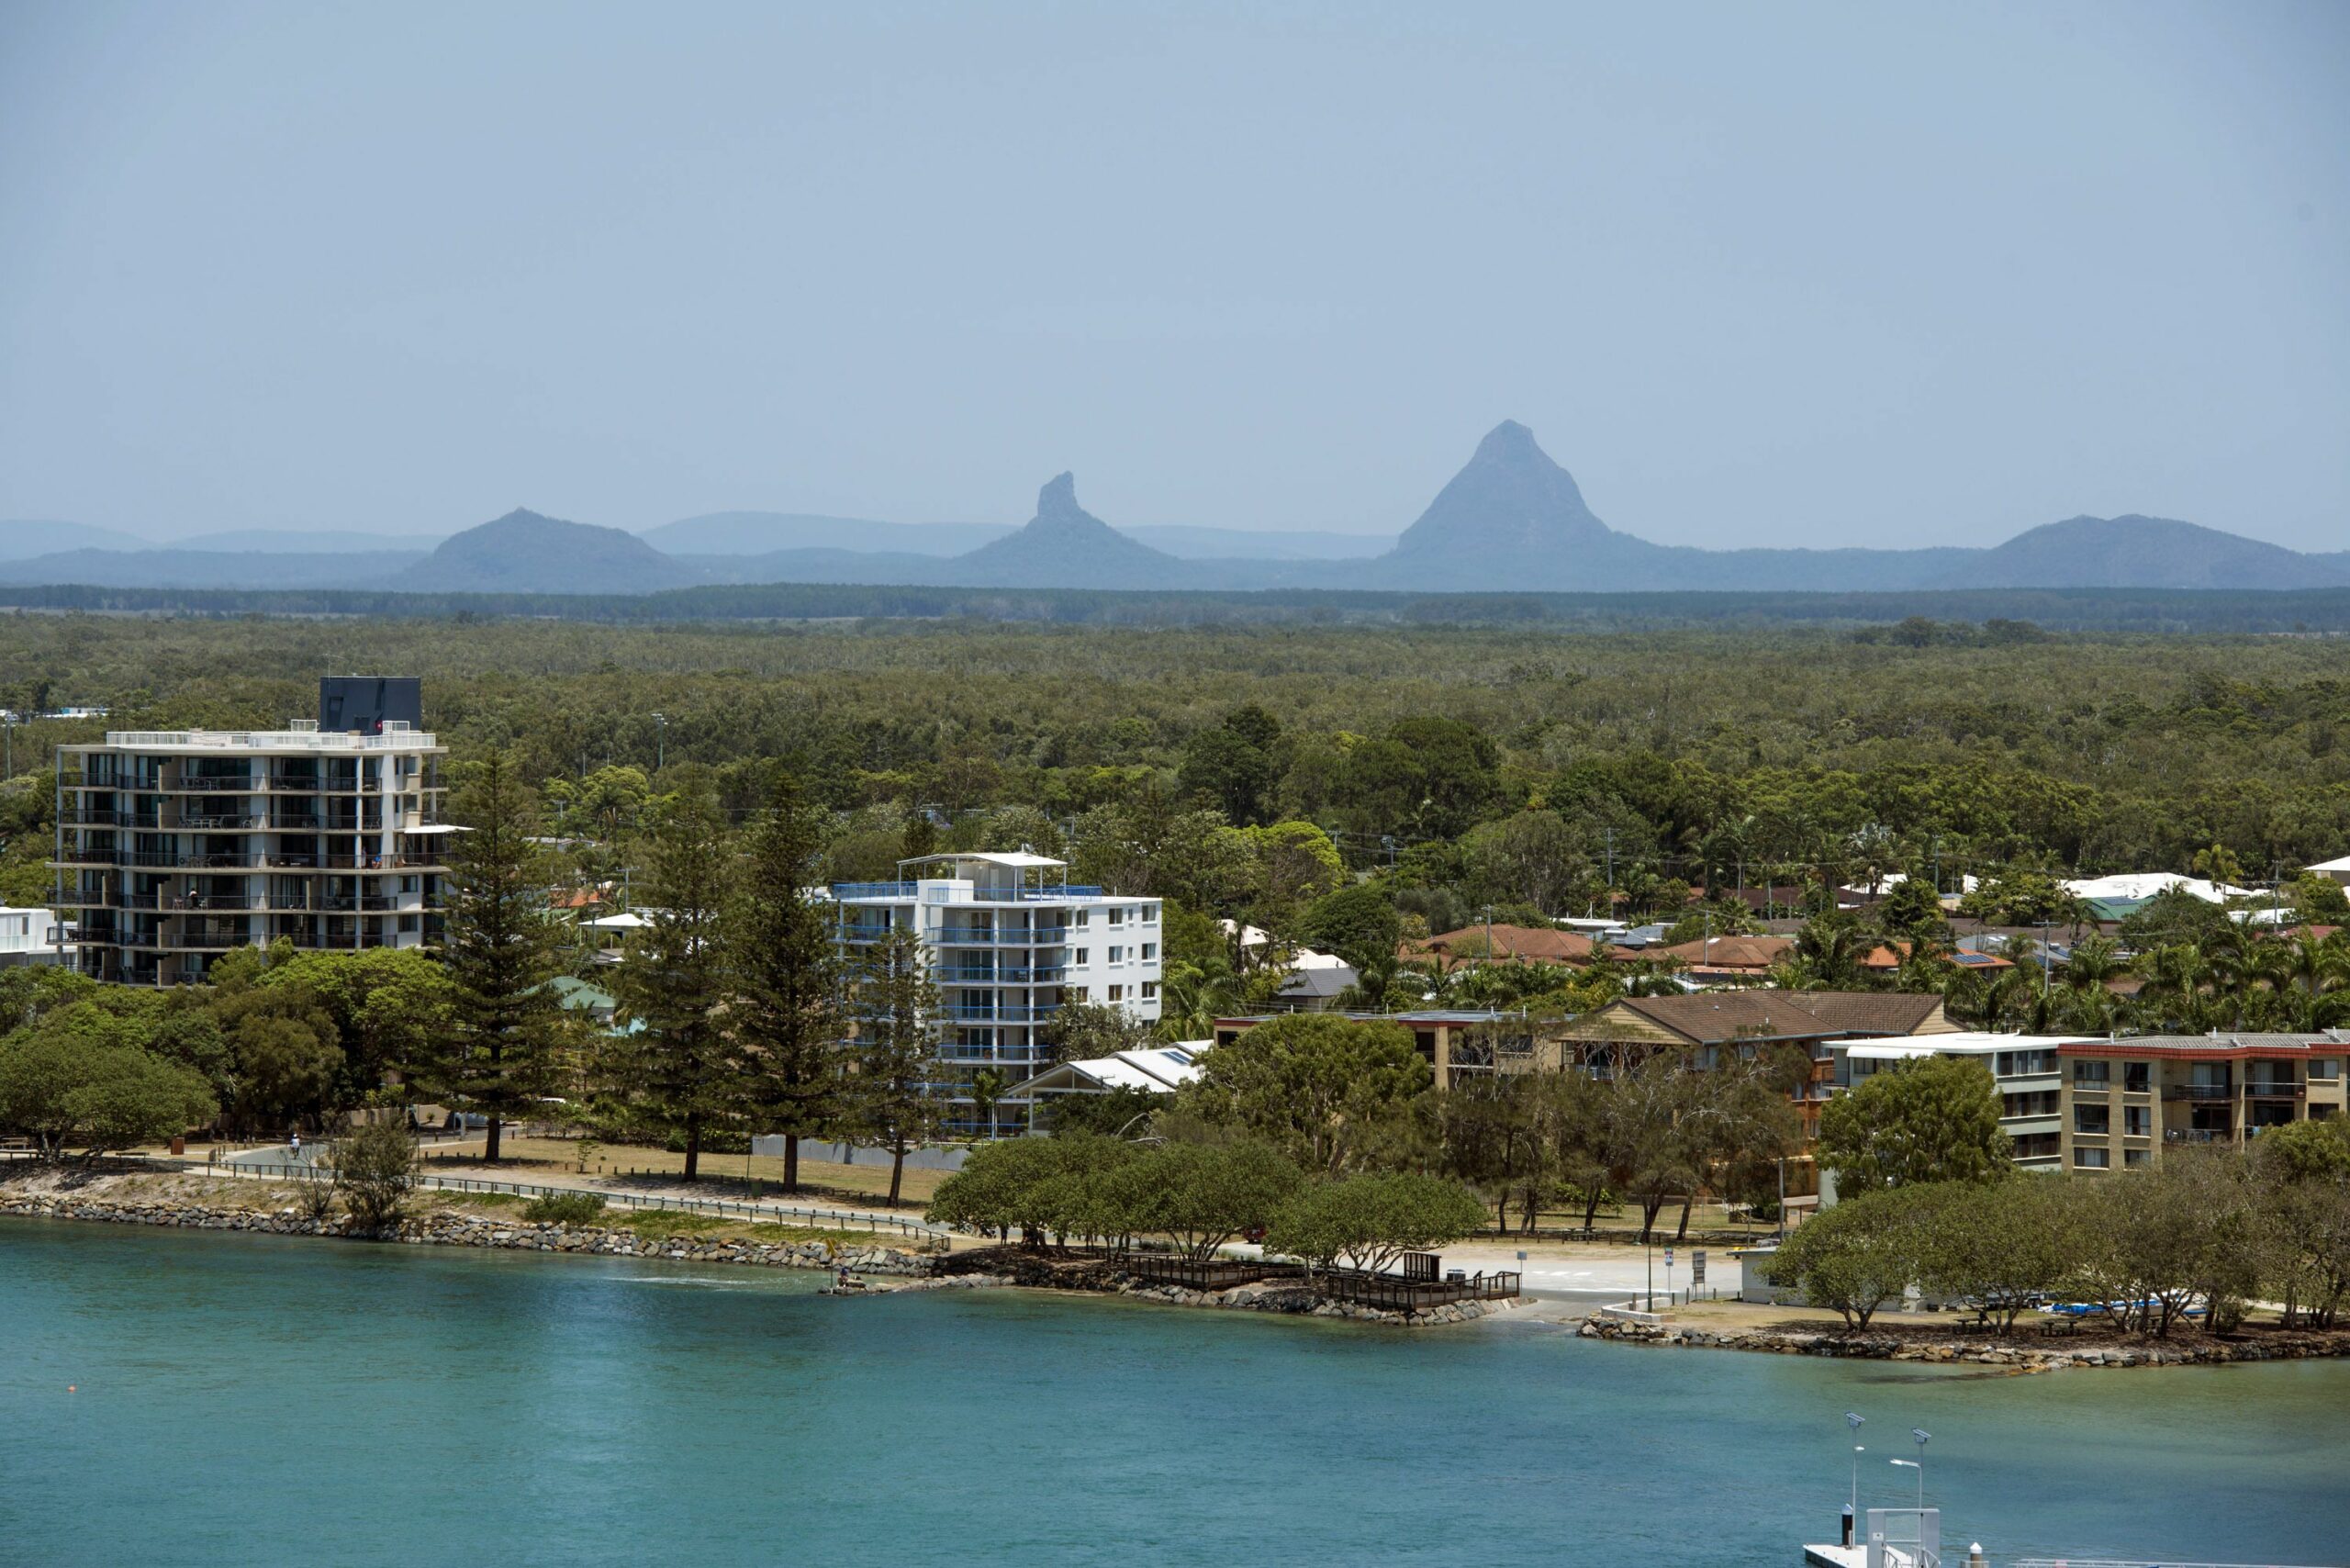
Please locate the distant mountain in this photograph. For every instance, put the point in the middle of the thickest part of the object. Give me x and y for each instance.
(313, 540)
(214, 569)
(2141, 552)
(1512, 518)
(1509, 500)
(523, 551)
(21, 539)
(765, 533)
(1065, 546)
(1191, 542)
(1510, 521)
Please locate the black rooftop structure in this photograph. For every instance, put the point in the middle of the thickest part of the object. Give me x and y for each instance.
(365, 703)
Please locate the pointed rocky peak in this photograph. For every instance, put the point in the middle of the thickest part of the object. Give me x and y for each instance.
(1059, 497)
(1509, 501)
(1065, 546)
(1508, 441)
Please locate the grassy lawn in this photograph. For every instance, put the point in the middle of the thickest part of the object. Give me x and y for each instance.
(722, 1175)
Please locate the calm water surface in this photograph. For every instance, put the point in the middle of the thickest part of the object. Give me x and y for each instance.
(255, 1400)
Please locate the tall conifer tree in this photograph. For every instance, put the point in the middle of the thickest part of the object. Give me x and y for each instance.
(506, 1047)
(676, 1062)
(785, 975)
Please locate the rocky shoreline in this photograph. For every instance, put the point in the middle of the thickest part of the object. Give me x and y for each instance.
(468, 1230)
(1983, 1353)
(891, 1269)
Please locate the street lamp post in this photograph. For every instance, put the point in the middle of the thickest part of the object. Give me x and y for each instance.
(1855, 1420)
(660, 742)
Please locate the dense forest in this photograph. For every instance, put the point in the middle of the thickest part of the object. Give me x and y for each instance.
(1512, 766)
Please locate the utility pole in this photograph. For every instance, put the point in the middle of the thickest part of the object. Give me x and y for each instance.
(660, 742)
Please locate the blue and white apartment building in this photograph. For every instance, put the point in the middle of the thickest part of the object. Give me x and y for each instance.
(1010, 940)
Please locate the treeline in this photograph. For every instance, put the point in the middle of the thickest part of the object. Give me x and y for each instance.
(1339, 1099)
(2190, 1242)
(1766, 759)
(2222, 610)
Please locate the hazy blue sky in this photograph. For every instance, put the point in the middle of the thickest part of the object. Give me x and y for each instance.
(1863, 273)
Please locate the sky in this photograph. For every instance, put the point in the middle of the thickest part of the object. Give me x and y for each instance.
(1792, 274)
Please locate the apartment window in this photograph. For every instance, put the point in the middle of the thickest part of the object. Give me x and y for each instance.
(1117, 917)
(1150, 915)
(1151, 991)
(1149, 951)
(2138, 1121)
(2134, 1076)
(1083, 916)
(2092, 1119)
(1083, 955)
(2039, 1103)
(1078, 993)
(2324, 1070)
(2140, 1157)
(2091, 1159)
(1117, 993)
(2098, 1073)
(1117, 955)
(2035, 1145)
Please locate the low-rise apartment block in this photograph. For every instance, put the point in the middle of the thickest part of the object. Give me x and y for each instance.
(1010, 940)
(176, 846)
(2024, 1068)
(2127, 1102)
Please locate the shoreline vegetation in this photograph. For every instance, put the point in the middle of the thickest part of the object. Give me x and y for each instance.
(1941, 1344)
(487, 1220)
(492, 1221)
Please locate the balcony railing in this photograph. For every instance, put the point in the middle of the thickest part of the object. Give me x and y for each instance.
(2275, 1090)
(1038, 937)
(2198, 1092)
(976, 895)
(2199, 1134)
(1041, 975)
(996, 1014)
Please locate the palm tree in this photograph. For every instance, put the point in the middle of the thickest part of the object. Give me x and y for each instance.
(2094, 961)
(2175, 976)
(2305, 973)
(1830, 949)
(1192, 996)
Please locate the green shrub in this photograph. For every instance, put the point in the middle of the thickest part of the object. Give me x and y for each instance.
(565, 1208)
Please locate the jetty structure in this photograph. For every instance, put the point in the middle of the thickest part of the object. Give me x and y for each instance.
(1911, 1538)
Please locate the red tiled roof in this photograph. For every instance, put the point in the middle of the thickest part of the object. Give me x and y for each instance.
(1750, 953)
(1532, 944)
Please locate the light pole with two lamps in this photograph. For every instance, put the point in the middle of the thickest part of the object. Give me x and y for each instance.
(1919, 1464)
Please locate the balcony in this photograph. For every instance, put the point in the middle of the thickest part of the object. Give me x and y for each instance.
(1009, 976)
(2198, 1092)
(219, 821)
(996, 1014)
(873, 890)
(2294, 1089)
(2199, 1134)
(1040, 937)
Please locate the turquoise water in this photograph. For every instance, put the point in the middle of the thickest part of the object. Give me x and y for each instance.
(258, 1400)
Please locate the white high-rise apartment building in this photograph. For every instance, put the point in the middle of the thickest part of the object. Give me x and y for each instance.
(1010, 940)
(176, 846)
